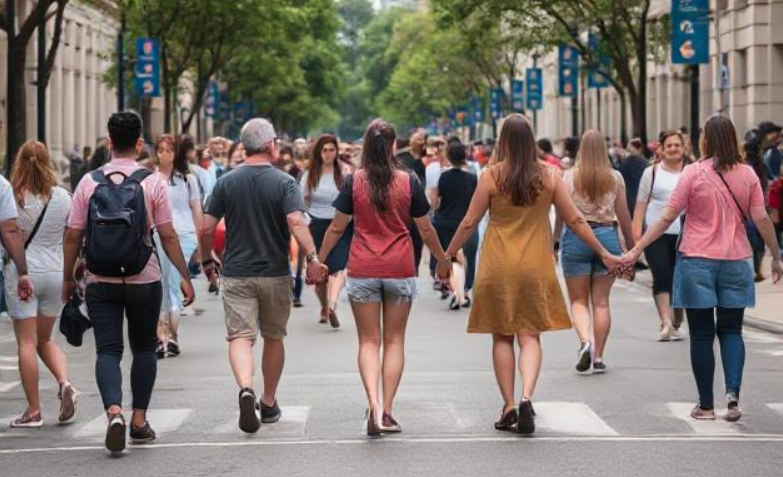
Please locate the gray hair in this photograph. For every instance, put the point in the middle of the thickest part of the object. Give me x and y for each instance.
(256, 136)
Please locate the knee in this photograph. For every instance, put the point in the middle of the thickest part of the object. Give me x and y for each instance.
(373, 341)
(42, 343)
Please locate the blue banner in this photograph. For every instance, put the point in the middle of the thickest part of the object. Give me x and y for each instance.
(568, 62)
(477, 105)
(146, 79)
(690, 32)
(212, 105)
(518, 96)
(496, 103)
(535, 89)
(598, 72)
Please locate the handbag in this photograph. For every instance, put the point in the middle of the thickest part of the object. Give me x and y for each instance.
(38, 222)
(754, 237)
(73, 323)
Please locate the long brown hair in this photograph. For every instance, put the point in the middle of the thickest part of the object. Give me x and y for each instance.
(33, 172)
(719, 141)
(378, 161)
(315, 166)
(522, 178)
(593, 176)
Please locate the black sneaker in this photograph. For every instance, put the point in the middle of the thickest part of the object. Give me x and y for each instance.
(142, 435)
(585, 358)
(173, 348)
(526, 423)
(115, 433)
(466, 303)
(599, 367)
(297, 303)
(248, 417)
(270, 414)
(161, 351)
(508, 421)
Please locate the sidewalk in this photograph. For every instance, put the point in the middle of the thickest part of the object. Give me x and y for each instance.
(768, 312)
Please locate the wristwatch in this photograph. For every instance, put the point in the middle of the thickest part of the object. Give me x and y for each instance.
(312, 258)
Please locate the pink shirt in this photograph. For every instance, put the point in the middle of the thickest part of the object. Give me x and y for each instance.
(713, 225)
(158, 213)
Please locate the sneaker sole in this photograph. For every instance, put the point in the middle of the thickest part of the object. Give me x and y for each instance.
(68, 404)
(248, 421)
(733, 416)
(32, 425)
(140, 442)
(272, 420)
(115, 437)
(585, 361)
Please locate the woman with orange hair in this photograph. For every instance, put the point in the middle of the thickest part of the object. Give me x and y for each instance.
(43, 208)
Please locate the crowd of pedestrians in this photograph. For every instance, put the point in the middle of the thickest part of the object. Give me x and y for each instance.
(262, 218)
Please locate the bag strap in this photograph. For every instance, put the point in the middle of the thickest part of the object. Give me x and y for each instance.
(38, 222)
(140, 175)
(736, 202)
(652, 183)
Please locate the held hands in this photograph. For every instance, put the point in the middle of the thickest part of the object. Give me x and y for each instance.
(317, 273)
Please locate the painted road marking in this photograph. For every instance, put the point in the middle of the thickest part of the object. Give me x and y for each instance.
(163, 420)
(682, 411)
(291, 424)
(570, 418)
(5, 387)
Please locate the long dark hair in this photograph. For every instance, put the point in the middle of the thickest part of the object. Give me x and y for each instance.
(314, 168)
(378, 161)
(522, 178)
(719, 141)
(185, 144)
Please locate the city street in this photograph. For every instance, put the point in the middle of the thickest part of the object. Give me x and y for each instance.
(631, 421)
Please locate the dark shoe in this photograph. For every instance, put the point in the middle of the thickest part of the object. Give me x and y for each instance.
(585, 357)
(115, 433)
(759, 278)
(508, 421)
(373, 428)
(173, 348)
(161, 352)
(297, 303)
(526, 423)
(467, 303)
(733, 414)
(454, 305)
(324, 316)
(213, 288)
(334, 322)
(248, 418)
(270, 414)
(142, 435)
(599, 367)
(437, 286)
(445, 293)
(390, 425)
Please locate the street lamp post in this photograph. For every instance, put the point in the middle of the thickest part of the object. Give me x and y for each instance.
(121, 64)
(535, 110)
(41, 77)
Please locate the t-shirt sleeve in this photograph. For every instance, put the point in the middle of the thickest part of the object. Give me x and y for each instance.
(679, 198)
(7, 203)
(645, 186)
(161, 209)
(619, 181)
(420, 206)
(194, 193)
(292, 197)
(215, 205)
(344, 201)
(432, 174)
(77, 217)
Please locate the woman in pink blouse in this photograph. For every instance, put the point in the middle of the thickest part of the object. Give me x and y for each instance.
(720, 197)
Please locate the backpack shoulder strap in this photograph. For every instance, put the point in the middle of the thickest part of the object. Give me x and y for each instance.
(99, 177)
(140, 175)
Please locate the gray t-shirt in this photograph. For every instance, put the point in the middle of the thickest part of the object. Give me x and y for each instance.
(255, 200)
(319, 200)
(182, 191)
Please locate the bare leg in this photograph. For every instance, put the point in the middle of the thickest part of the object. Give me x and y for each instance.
(173, 329)
(602, 318)
(579, 294)
(240, 355)
(529, 363)
(51, 354)
(336, 284)
(395, 319)
(458, 280)
(27, 344)
(663, 304)
(503, 359)
(368, 327)
(322, 294)
(272, 364)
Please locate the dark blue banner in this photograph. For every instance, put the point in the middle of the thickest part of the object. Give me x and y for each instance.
(568, 62)
(477, 106)
(535, 89)
(690, 32)
(496, 103)
(518, 96)
(212, 105)
(147, 73)
(598, 72)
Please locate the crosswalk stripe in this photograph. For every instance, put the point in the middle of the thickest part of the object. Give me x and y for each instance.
(292, 423)
(162, 420)
(9, 359)
(570, 418)
(682, 411)
(5, 387)
(4, 367)
(777, 407)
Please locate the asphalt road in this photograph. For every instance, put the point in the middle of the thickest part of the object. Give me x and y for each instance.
(632, 421)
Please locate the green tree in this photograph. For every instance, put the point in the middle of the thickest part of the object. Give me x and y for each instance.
(354, 109)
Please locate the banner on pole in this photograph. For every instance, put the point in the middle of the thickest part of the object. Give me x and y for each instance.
(477, 105)
(496, 103)
(568, 57)
(535, 89)
(146, 79)
(212, 106)
(690, 36)
(597, 73)
(518, 96)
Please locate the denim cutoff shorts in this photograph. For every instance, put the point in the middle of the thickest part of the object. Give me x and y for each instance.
(577, 259)
(382, 290)
(707, 283)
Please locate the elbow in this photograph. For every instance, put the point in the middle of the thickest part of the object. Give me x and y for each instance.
(295, 220)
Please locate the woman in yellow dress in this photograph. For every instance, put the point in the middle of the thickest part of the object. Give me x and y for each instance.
(517, 294)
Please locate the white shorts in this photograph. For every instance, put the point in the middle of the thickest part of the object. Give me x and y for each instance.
(46, 299)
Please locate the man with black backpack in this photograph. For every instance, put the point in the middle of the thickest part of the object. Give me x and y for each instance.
(115, 211)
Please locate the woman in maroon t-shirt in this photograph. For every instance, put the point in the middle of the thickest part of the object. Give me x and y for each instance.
(382, 198)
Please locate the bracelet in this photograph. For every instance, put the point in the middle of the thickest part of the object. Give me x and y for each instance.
(312, 258)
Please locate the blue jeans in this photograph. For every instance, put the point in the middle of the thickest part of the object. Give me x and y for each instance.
(709, 283)
(577, 259)
(703, 329)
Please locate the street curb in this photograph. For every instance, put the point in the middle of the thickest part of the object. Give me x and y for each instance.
(752, 322)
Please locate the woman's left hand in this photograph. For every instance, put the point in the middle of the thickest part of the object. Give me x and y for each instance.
(777, 271)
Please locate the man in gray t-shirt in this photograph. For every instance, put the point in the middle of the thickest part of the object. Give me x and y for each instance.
(262, 207)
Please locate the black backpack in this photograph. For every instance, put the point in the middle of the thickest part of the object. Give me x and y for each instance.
(118, 241)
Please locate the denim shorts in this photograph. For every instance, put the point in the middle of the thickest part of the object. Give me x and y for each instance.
(382, 290)
(577, 259)
(707, 283)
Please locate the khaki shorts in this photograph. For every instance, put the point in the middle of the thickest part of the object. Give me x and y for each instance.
(257, 304)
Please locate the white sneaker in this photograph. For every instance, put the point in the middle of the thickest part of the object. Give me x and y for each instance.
(666, 334)
(677, 335)
(26, 421)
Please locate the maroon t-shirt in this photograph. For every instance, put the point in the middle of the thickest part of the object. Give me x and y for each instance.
(381, 245)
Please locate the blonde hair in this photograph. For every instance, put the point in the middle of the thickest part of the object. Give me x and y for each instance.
(33, 172)
(593, 177)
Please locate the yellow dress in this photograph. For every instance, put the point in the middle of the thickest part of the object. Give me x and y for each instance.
(516, 289)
